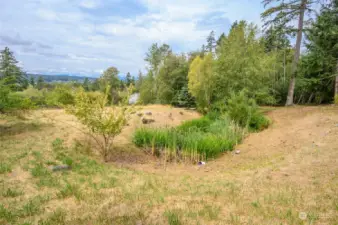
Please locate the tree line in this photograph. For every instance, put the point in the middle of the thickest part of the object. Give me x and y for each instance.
(264, 64)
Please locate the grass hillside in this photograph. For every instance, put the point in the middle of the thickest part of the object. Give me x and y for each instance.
(287, 174)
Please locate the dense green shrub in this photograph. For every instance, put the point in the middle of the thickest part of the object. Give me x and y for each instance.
(61, 95)
(200, 138)
(37, 97)
(244, 111)
(11, 101)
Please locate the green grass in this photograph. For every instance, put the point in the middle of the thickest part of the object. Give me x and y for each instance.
(70, 190)
(12, 193)
(5, 168)
(39, 170)
(196, 139)
(172, 217)
(6, 214)
(31, 208)
(201, 124)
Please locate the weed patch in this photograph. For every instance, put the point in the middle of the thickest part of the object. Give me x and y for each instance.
(5, 168)
(70, 190)
(172, 217)
(12, 193)
(193, 140)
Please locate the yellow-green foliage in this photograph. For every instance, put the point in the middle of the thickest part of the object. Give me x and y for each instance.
(60, 95)
(336, 99)
(102, 121)
(201, 80)
(243, 63)
(35, 95)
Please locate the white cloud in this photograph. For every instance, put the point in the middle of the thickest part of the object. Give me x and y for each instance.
(90, 4)
(82, 36)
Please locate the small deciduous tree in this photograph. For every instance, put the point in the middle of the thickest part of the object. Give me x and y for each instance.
(110, 78)
(243, 63)
(201, 81)
(104, 123)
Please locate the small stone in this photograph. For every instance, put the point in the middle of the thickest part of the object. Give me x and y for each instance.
(181, 113)
(59, 167)
(140, 114)
(148, 113)
(147, 120)
(237, 152)
(201, 163)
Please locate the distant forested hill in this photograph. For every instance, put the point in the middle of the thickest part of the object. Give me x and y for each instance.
(60, 78)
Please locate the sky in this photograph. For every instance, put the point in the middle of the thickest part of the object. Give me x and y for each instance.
(85, 37)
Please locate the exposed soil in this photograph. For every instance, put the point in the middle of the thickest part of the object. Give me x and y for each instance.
(298, 137)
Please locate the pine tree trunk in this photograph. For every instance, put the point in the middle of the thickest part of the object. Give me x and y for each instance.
(289, 100)
(336, 87)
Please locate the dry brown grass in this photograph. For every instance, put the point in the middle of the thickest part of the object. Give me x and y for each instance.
(285, 170)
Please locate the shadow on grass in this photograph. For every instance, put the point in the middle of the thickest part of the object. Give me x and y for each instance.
(21, 127)
(128, 154)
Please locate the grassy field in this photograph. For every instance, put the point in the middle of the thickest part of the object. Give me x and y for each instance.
(287, 174)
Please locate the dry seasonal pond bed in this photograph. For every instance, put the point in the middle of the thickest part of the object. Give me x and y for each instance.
(286, 174)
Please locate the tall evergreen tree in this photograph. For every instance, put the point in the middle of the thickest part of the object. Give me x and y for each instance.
(10, 71)
(286, 12)
(129, 80)
(40, 83)
(139, 81)
(275, 39)
(319, 64)
(32, 81)
(85, 84)
(211, 42)
(220, 39)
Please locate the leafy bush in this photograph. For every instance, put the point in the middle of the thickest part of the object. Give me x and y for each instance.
(103, 123)
(244, 111)
(10, 101)
(61, 95)
(37, 97)
(336, 99)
